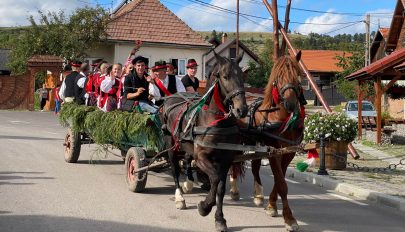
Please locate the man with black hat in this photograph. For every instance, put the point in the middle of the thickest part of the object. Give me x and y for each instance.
(190, 81)
(164, 85)
(80, 83)
(136, 87)
(67, 90)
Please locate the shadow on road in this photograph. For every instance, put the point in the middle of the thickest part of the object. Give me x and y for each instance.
(23, 223)
(6, 177)
(27, 137)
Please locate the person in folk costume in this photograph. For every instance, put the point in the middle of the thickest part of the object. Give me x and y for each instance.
(58, 100)
(135, 90)
(108, 99)
(163, 85)
(67, 69)
(92, 85)
(67, 90)
(126, 70)
(80, 84)
(190, 81)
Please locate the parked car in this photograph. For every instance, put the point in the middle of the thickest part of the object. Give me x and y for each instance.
(352, 108)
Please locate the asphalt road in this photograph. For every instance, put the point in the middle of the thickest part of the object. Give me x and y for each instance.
(40, 192)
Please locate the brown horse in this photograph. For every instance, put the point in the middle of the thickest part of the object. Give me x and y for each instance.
(279, 118)
(216, 122)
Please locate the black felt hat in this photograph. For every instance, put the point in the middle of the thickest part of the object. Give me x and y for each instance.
(161, 64)
(139, 59)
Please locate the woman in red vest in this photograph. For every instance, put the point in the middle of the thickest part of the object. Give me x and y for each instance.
(108, 99)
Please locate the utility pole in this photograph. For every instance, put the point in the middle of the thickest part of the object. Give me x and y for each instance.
(237, 28)
(367, 54)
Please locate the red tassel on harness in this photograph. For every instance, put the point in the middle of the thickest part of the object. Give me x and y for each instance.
(275, 95)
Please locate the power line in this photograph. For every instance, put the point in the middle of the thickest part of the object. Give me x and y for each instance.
(225, 10)
(340, 28)
(323, 12)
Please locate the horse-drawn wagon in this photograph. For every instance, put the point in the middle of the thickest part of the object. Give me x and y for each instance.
(207, 128)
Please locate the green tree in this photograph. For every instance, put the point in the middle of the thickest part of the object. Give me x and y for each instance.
(351, 64)
(259, 74)
(56, 34)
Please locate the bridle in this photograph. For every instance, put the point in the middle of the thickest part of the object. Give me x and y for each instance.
(297, 90)
(228, 96)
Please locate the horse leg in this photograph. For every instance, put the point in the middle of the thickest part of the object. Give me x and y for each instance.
(220, 222)
(174, 161)
(205, 207)
(233, 181)
(189, 183)
(282, 189)
(258, 196)
(271, 208)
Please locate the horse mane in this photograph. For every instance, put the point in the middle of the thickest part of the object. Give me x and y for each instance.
(285, 70)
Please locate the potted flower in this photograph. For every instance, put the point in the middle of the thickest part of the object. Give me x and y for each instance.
(339, 130)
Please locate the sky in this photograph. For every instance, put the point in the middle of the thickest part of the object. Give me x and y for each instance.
(329, 17)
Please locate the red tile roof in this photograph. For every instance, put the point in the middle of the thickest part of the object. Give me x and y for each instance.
(392, 60)
(322, 60)
(151, 21)
(45, 59)
(384, 32)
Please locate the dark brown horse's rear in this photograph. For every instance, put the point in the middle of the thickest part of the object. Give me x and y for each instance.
(211, 120)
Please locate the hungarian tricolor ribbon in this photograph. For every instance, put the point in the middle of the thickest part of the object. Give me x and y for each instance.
(160, 85)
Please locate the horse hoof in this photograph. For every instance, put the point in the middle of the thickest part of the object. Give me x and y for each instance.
(235, 196)
(293, 227)
(187, 186)
(259, 201)
(181, 205)
(203, 212)
(220, 226)
(272, 212)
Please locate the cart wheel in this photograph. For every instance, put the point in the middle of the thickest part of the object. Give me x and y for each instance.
(134, 160)
(72, 146)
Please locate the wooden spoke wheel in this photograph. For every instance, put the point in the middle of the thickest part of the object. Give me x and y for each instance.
(135, 159)
(72, 146)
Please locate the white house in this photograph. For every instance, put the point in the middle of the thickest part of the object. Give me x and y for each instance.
(227, 48)
(164, 36)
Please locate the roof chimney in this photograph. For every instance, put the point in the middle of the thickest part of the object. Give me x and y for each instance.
(224, 37)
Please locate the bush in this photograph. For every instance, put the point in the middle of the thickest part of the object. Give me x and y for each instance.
(335, 126)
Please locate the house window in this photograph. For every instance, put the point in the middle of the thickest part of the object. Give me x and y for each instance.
(232, 53)
(179, 66)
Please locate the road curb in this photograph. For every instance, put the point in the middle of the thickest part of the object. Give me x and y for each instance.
(326, 182)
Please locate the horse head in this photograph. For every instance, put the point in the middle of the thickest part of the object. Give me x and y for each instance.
(231, 84)
(285, 84)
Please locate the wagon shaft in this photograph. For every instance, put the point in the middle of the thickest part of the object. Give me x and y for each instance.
(154, 165)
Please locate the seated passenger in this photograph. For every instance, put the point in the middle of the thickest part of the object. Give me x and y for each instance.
(190, 81)
(163, 85)
(108, 99)
(135, 89)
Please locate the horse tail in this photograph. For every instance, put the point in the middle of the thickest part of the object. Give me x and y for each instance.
(238, 170)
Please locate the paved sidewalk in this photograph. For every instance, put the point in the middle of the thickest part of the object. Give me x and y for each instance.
(362, 185)
(379, 154)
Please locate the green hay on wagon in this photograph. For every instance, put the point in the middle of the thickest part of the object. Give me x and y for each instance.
(118, 128)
